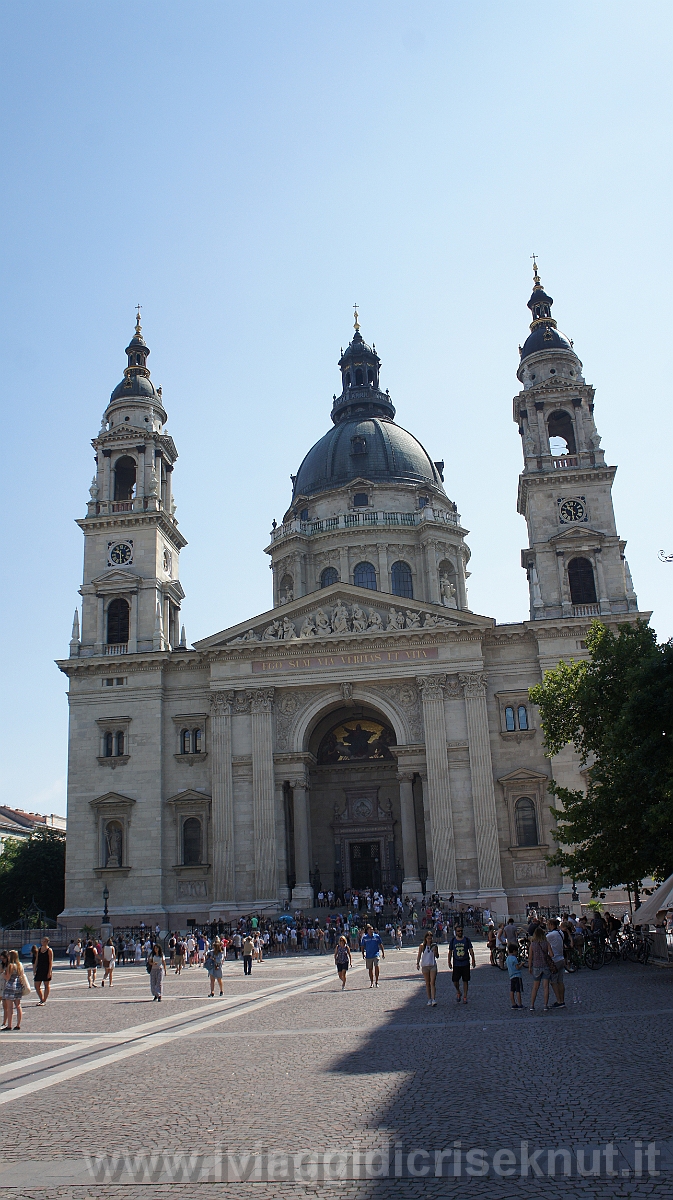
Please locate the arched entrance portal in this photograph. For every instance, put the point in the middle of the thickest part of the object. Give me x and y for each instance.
(349, 803)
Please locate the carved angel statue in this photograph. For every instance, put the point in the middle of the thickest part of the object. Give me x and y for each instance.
(447, 592)
(289, 630)
(359, 619)
(322, 622)
(395, 620)
(375, 621)
(271, 632)
(413, 620)
(340, 619)
(153, 487)
(307, 628)
(529, 444)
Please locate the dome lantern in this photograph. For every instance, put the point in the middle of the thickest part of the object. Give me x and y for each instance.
(360, 393)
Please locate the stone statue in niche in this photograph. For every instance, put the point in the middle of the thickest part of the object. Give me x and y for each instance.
(113, 844)
(447, 592)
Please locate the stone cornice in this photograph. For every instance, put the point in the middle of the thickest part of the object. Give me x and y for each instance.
(121, 435)
(153, 660)
(131, 520)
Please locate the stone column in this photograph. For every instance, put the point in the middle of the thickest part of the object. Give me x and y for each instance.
(100, 624)
(281, 842)
(411, 884)
(431, 573)
(343, 564)
(603, 599)
(483, 792)
(461, 586)
(107, 477)
(298, 584)
(430, 884)
(384, 581)
(439, 796)
(302, 893)
(224, 878)
(563, 584)
(263, 793)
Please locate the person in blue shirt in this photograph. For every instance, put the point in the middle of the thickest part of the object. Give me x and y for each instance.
(515, 980)
(372, 951)
(460, 952)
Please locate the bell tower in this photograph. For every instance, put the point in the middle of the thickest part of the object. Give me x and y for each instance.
(131, 592)
(575, 559)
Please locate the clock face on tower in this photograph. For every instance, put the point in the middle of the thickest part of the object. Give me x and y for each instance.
(572, 510)
(121, 554)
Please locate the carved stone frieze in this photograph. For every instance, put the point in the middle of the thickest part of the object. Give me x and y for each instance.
(406, 695)
(344, 619)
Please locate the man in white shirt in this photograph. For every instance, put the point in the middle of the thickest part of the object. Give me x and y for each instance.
(556, 945)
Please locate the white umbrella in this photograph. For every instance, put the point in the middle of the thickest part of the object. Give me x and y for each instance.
(662, 898)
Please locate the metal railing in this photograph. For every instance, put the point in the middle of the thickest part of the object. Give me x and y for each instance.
(366, 517)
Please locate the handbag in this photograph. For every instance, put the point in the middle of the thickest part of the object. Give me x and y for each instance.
(25, 987)
(148, 966)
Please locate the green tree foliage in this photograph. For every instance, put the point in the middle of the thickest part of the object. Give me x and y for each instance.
(616, 709)
(32, 867)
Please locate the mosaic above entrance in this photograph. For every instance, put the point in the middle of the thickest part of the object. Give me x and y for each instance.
(356, 741)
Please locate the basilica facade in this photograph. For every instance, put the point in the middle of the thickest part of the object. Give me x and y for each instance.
(369, 729)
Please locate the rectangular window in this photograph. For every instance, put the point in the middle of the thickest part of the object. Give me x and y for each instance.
(108, 682)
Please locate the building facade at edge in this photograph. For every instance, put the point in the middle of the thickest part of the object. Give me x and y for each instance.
(368, 729)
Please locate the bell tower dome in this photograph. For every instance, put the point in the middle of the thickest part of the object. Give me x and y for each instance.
(575, 559)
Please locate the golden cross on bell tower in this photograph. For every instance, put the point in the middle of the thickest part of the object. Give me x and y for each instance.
(356, 324)
(536, 277)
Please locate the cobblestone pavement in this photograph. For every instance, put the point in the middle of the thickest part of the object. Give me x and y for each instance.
(288, 1063)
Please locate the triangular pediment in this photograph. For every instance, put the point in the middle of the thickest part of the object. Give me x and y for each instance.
(112, 800)
(118, 577)
(522, 775)
(343, 610)
(577, 533)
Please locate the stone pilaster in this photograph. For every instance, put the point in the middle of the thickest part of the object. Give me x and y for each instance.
(412, 883)
(302, 893)
(223, 799)
(483, 792)
(430, 883)
(263, 793)
(439, 795)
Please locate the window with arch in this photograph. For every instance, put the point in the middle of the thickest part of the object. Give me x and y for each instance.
(509, 719)
(125, 478)
(191, 741)
(109, 745)
(358, 378)
(117, 622)
(516, 717)
(581, 581)
(402, 582)
(119, 742)
(522, 716)
(329, 576)
(347, 379)
(525, 819)
(561, 432)
(191, 842)
(370, 377)
(364, 576)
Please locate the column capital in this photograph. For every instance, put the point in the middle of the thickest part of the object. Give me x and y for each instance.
(473, 683)
(406, 775)
(300, 782)
(262, 699)
(220, 703)
(431, 686)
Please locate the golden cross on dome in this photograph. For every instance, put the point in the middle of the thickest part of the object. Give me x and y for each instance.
(357, 318)
(138, 325)
(536, 277)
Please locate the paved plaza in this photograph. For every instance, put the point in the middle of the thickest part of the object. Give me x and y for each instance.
(286, 1063)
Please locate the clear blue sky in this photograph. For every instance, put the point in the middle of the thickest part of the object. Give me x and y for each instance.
(249, 171)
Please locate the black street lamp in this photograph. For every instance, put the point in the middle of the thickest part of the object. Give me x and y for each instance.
(423, 876)
(106, 897)
(575, 896)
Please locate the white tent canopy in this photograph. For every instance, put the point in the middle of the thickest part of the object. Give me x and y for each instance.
(662, 898)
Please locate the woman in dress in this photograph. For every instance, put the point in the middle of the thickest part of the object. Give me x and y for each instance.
(426, 961)
(44, 960)
(14, 981)
(109, 959)
(90, 963)
(157, 964)
(342, 959)
(214, 960)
